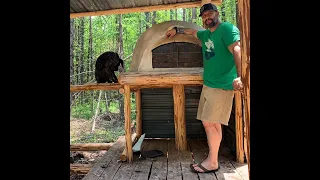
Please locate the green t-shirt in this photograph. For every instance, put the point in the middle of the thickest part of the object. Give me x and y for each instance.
(219, 69)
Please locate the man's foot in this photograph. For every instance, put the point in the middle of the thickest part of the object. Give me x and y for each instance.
(205, 166)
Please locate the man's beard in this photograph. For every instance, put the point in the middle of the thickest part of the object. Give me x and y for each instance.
(213, 22)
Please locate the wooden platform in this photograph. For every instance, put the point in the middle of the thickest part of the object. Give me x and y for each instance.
(173, 166)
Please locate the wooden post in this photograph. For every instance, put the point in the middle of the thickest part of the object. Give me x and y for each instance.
(244, 21)
(138, 113)
(179, 117)
(239, 127)
(127, 124)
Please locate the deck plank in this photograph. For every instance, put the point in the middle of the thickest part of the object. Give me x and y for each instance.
(113, 166)
(227, 171)
(159, 165)
(127, 170)
(143, 166)
(174, 168)
(98, 168)
(242, 169)
(200, 153)
(186, 159)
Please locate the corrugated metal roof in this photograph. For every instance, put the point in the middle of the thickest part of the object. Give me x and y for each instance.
(79, 6)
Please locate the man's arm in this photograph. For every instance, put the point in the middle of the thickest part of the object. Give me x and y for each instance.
(180, 30)
(235, 49)
(231, 37)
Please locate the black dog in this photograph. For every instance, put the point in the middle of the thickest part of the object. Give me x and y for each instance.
(106, 64)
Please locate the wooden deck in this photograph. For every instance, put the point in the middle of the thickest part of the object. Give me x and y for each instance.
(173, 166)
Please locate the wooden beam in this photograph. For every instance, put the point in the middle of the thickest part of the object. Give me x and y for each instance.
(95, 86)
(90, 146)
(161, 78)
(239, 127)
(138, 87)
(138, 113)
(127, 124)
(244, 21)
(92, 87)
(179, 117)
(205, 2)
(142, 9)
(80, 168)
(121, 91)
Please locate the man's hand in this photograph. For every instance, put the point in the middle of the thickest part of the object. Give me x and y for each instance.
(170, 33)
(237, 84)
(190, 32)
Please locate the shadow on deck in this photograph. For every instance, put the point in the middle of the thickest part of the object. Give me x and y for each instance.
(175, 165)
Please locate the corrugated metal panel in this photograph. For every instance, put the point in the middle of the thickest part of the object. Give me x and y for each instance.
(194, 127)
(158, 114)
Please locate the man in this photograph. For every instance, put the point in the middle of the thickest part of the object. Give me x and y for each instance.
(221, 76)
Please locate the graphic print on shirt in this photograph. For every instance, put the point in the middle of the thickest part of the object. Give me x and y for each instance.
(209, 53)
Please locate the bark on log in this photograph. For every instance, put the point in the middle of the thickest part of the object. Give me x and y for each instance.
(80, 168)
(90, 146)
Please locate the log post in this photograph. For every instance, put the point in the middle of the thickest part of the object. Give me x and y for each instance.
(239, 127)
(127, 124)
(244, 22)
(90, 146)
(80, 168)
(179, 117)
(138, 113)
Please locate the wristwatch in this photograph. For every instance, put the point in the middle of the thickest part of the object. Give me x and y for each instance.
(179, 30)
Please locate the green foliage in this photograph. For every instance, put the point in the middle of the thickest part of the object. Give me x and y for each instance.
(101, 136)
(82, 111)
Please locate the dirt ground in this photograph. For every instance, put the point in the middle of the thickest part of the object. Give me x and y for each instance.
(79, 127)
(84, 157)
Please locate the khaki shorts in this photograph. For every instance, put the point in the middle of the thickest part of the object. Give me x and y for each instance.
(215, 105)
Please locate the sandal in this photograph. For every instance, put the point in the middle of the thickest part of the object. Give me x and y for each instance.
(203, 168)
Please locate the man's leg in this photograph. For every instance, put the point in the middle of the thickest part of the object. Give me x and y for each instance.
(214, 110)
(214, 136)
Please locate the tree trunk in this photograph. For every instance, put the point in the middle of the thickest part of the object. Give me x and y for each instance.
(75, 51)
(90, 61)
(81, 59)
(140, 32)
(237, 14)
(120, 40)
(194, 15)
(223, 14)
(121, 54)
(71, 57)
(154, 16)
(96, 114)
(183, 14)
(147, 19)
(176, 14)
(107, 101)
(171, 14)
